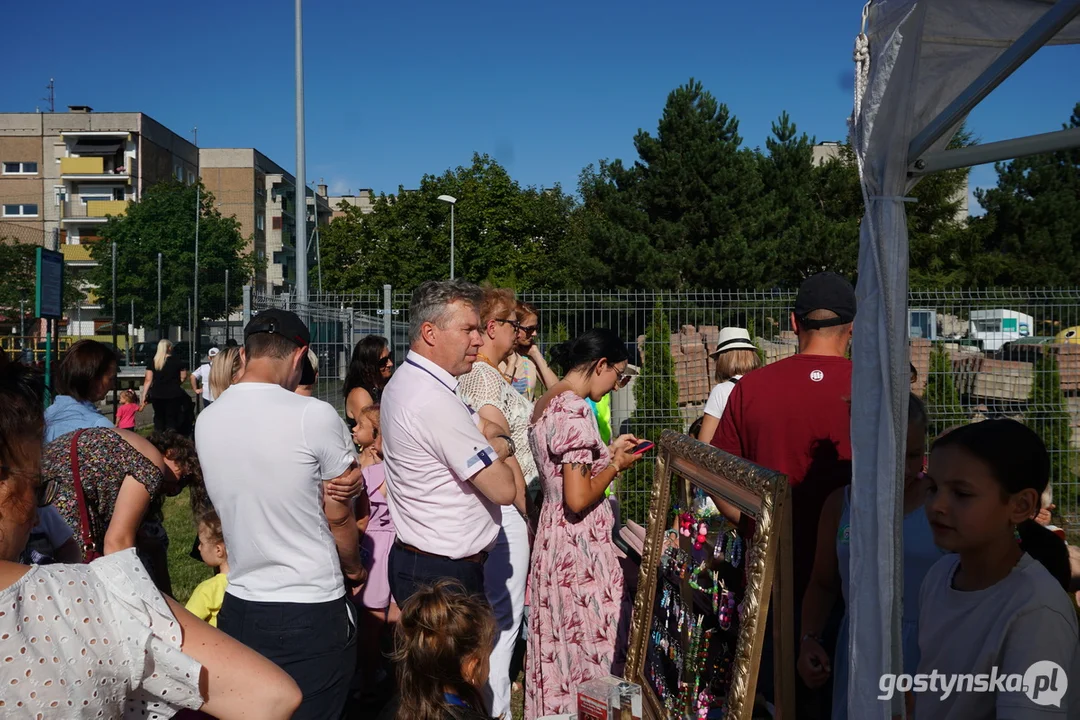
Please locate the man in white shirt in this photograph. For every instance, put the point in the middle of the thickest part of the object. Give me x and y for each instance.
(200, 379)
(445, 473)
(280, 472)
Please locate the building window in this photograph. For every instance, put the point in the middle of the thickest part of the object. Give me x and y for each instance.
(260, 222)
(179, 174)
(190, 178)
(24, 210)
(20, 168)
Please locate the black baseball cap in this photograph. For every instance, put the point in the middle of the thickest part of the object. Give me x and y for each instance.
(279, 322)
(825, 291)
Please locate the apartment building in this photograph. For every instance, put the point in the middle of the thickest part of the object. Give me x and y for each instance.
(63, 174)
(364, 199)
(260, 194)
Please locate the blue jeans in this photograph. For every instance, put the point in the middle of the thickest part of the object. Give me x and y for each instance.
(409, 571)
(314, 643)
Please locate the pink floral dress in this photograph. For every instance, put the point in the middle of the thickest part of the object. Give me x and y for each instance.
(575, 582)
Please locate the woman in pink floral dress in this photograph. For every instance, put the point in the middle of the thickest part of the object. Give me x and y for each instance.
(575, 581)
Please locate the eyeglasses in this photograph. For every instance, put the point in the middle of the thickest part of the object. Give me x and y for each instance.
(621, 378)
(512, 323)
(44, 490)
(386, 361)
(350, 423)
(528, 329)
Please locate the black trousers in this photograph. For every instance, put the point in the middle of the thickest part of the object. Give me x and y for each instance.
(410, 570)
(170, 414)
(314, 643)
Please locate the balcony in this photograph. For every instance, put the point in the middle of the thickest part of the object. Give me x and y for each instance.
(95, 168)
(92, 211)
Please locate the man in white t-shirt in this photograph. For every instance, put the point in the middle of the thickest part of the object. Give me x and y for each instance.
(445, 473)
(200, 379)
(280, 474)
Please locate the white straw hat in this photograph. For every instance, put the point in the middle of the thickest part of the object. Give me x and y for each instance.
(733, 338)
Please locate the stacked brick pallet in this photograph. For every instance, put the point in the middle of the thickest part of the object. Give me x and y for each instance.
(919, 352)
(691, 368)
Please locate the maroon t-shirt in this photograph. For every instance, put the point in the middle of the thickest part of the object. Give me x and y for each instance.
(793, 417)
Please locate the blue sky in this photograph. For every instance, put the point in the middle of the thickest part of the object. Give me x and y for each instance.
(394, 91)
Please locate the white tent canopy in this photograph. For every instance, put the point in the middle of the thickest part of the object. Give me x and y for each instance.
(921, 66)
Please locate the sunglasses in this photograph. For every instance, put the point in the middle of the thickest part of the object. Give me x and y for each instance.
(621, 378)
(528, 329)
(512, 323)
(44, 490)
(350, 423)
(386, 361)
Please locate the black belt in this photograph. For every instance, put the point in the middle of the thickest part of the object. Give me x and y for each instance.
(479, 558)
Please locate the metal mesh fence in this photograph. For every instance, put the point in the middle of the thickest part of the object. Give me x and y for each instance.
(977, 355)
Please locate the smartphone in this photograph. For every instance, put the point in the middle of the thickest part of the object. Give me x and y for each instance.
(643, 447)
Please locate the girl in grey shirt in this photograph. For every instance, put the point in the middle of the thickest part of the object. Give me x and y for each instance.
(997, 630)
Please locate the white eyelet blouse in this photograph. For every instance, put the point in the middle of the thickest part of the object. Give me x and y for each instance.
(92, 641)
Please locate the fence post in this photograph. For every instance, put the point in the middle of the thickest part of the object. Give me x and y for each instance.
(347, 341)
(286, 302)
(247, 304)
(387, 314)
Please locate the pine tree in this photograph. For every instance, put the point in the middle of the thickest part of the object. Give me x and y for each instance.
(656, 397)
(1049, 417)
(1032, 221)
(688, 212)
(942, 398)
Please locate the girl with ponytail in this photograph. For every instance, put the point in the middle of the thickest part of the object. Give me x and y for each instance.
(998, 604)
(444, 641)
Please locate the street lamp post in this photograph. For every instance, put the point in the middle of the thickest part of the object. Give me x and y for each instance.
(160, 335)
(452, 201)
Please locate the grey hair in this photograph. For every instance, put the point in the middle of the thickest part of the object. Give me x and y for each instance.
(431, 302)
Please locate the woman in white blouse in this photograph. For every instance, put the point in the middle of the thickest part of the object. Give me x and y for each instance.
(487, 391)
(99, 640)
(735, 355)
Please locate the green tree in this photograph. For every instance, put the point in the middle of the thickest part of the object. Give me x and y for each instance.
(504, 234)
(164, 221)
(1050, 419)
(687, 214)
(939, 241)
(942, 398)
(19, 263)
(812, 211)
(656, 398)
(1032, 221)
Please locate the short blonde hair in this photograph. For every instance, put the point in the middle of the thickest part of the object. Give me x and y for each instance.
(223, 369)
(736, 362)
(497, 304)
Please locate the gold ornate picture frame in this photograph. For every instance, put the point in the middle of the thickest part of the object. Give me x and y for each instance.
(680, 647)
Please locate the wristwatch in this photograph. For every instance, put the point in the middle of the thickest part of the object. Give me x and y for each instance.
(509, 443)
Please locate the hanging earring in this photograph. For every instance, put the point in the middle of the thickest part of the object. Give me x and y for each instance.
(1016, 534)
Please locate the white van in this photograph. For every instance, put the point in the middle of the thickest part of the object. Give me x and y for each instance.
(993, 328)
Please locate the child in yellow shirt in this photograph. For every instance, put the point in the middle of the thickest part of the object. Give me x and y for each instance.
(205, 601)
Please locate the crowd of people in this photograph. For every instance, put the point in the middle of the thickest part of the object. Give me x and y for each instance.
(459, 510)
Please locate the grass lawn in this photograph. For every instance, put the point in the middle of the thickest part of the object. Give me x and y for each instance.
(185, 572)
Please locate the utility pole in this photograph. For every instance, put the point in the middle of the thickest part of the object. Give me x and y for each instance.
(301, 180)
(115, 398)
(131, 340)
(159, 296)
(198, 212)
(226, 305)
